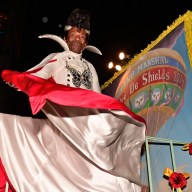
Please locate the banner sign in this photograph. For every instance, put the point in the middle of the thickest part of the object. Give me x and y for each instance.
(156, 84)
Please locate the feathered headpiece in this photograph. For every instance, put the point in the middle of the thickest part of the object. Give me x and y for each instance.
(79, 18)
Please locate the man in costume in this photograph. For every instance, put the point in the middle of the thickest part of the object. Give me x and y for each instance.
(68, 67)
(89, 141)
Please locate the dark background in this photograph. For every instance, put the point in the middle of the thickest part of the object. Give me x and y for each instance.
(127, 26)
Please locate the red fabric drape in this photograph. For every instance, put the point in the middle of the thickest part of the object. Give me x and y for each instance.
(4, 179)
(36, 87)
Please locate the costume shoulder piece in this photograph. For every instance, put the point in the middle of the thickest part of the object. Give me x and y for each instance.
(44, 61)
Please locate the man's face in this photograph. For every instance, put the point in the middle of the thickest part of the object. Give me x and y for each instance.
(76, 39)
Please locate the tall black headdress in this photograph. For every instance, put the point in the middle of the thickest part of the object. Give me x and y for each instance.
(79, 18)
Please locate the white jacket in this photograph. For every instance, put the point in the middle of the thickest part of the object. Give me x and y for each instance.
(69, 68)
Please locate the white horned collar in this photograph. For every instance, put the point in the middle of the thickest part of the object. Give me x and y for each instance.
(65, 46)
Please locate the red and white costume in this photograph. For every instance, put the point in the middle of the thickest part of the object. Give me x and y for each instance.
(89, 141)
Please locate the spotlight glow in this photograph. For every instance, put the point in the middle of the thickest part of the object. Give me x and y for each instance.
(118, 67)
(110, 65)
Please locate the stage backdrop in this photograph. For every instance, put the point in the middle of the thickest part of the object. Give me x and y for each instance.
(157, 85)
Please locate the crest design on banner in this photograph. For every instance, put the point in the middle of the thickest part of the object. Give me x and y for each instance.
(153, 87)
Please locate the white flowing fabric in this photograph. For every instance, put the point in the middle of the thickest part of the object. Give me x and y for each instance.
(89, 143)
(75, 150)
